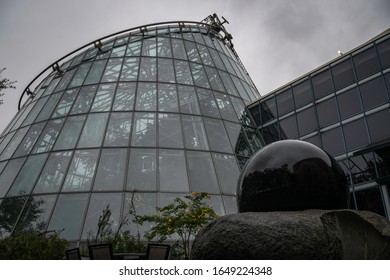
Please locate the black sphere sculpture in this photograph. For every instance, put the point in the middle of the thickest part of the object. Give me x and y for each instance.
(291, 175)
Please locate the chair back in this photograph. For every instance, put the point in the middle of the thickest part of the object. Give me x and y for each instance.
(73, 254)
(157, 251)
(100, 251)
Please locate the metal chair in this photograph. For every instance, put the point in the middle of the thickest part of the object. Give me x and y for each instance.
(73, 254)
(100, 251)
(157, 251)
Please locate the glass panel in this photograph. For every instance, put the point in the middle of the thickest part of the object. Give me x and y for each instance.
(230, 204)
(49, 135)
(375, 124)
(49, 90)
(65, 80)
(225, 107)
(124, 98)
(80, 75)
(70, 133)
(302, 94)
(118, 130)
(134, 47)
(8, 175)
(233, 130)
(322, 84)
(49, 107)
(355, 134)
(100, 202)
(130, 69)
(288, 128)
(332, 141)
(146, 97)
(373, 93)
(166, 72)
(169, 131)
(93, 131)
(227, 172)
(241, 90)
(271, 133)
(96, 72)
(65, 103)
(183, 73)
(7, 153)
(119, 50)
(228, 83)
(144, 204)
(216, 203)
(217, 136)
(84, 100)
(217, 60)
(343, 74)
(201, 172)
(144, 130)
(178, 49)
(192, 51)
(366, 63)
(384, 53)
(268, 110)
(111, 73)
(164, 47)
(27, 176)
(53, 173)
(173, 171)
(29, 140)
(362, 168)
(285, 102)
(81, 171)
(149, 46)
(147, 69)
(188, 100)
(35, 111)
(199, 75)
(204, 54)
(167, 98)
(254, 138)
(349, 103)
(111, 171)
(36, 213)
(307, 121)
(370, 200)
(215, 80)
(142, 170)
(327, 112)
(10, 209)
(68, 215)
(103, 98)
(208, 105)
(194, 133)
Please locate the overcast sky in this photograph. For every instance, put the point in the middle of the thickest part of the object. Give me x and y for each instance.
(277, 40)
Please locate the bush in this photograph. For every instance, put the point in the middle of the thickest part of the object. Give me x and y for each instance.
(32, 245)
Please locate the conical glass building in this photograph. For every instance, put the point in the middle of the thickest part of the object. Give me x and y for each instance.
(135, 118)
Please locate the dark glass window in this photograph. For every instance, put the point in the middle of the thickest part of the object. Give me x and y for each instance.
(19, 135)
(124, 97)
(302, 94)
(9, 173)
(207, 102)
(384, 53)
(70, 133)
(48, 136)
(343, 74)
(288, 128)
(255, 113)
(322, 84)
(327, 112)
(144, 130)
(307, 121)
(270, 133)
(111, 73)
(84, 100)
(201, 172)
(65, 103)
(93, 131)
(285, 102)
(332, 141)
(118, 130)
(370, 200)
(366, 63)
(29, 140)
(362, 168)
(68, 215)
(148, 70)
(194, 133)
(315, 140)
(349, 103)
(146, 97)
(96, 72)
(167, 98)
(373, 93)
(268, 110)
(103, 98)
(227, 172)
(225, 107)
(355, 134)
(377, 125)
(217, 136)
(130, 69)
(188, 100)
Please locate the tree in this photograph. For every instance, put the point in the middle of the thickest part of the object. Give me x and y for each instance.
(5, 84)
(183, 217)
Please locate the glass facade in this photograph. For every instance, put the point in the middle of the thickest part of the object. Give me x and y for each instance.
(145, 116)
(342, 107)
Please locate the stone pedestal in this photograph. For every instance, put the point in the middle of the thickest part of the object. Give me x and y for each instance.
(299, 235)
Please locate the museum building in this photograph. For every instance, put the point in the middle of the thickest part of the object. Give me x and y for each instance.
(148, 114)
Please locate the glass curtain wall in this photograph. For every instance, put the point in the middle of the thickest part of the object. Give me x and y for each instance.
(136, 120)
